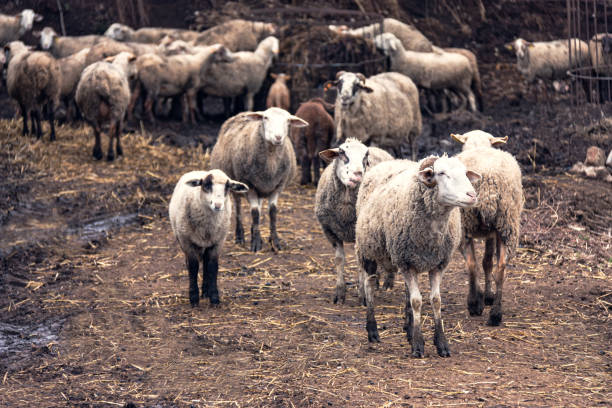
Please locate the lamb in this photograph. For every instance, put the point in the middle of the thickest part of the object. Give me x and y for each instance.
(278, 94)
(33, 79)
(253, 148)
(411, 38)
(150, 35)
(431, 70)
(102, 95)
(336, 196)
(71, 67)
(200, 212)
(244, 75)
(381, 111)
(496, 218)
(12, 28)
(411, 222)
(550, 59)
(178, 75)
(314, 138)
(64, 46)
(237, 34)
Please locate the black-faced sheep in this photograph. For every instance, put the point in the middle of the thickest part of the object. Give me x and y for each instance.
(411, 222)
(200, 215)
(254, 148)
(496, 218)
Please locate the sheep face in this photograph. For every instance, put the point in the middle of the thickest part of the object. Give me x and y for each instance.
(351, 161)
(117, 32)
(271, 43)
(454, 182)
(215, 187)
(275, 122)
(350, 88)
(477, 138)
(521, 48)
(46, 38)
(388, 43)
(26, 20)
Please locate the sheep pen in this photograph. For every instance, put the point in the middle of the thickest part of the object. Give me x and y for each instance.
(94, 304)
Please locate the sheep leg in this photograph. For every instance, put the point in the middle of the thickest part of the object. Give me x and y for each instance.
(417, 342)
(36, 115)
(435, 277)
(361, 277)
(190, 101)
(193, 265)
(368, 286)
(210, 269)
(118, 132)
(472, 100)
(495, 316)
(51, 119)
(33, 124)
(409, 319)
(133, 99)
(24, 113)
(389, 279)
(256, 242)
(413, 146)
(316, 166)
(306, 179)
(97, 150)
(487, 266)
(239, 228)
(475, 301)
(110, 155)
(273, 211)
(148, 105)
(248, 101)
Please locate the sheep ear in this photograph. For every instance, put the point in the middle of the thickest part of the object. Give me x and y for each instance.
(329, 155)
(499, 141)
(238, 187)
(361, 77)
(132, 58)
(110, 59)
(254, 115)
(297, 122)
(194, 182)
(339, 74)
(427, 177)
(273, 76)
(36, 33)
(38, 18)
(509, 46)
(473, 176)
(366, 89)
(530, 44)
(458, 138)
(329, 85)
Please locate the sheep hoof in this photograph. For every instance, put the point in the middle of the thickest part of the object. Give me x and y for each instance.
(489, 298)
(194, 299)
(475, 304)
(340, 294)
(372, 332)
(418, 350)
(97, 153)
(495, 318)
(214, 300)
(443, 351)
(388, 283)
(362, 300)
(276, 244)
(110, 157)
(441, 344)
(240, 240)
(256, 243)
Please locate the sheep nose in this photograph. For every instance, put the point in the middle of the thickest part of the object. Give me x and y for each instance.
(472, 195)
(218, 206)
(279, 139)
(358, 175)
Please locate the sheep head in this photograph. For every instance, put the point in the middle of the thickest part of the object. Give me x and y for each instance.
(27, 18)
(275, 124)
(350, 87)
(478, 138)
(118, 32)
(351, 161)
(453, 180)
(215, 187)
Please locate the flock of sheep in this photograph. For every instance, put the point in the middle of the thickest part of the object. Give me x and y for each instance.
(403, 215)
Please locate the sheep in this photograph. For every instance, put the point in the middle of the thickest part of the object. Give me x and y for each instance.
(609, 159)
(237, 34)
(178, 75)
(411, 38)
(244, 75)
(336, 196)
(107, 48)
(476, 82)
(253, 148)
(314, 138)
(102, 95)
(278, 94)
(200, 213)
(431, 70)
(600, 54)
(382, 111)
(12, 28)
(122, 32)
(64, 46)
(496, 218)
(33, 79)
(411, 222)
(550, 59)
(71, 67)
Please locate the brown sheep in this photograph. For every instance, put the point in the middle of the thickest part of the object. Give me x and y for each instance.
(316, 137)
(278, 95)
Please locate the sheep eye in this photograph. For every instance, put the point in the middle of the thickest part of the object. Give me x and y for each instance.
(207, 186)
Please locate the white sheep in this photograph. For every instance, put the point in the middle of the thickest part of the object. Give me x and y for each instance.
(254, 148)
(63, 46)
(71, 67)
(382, 110)
(278, 94)
(200, 215)
(431, 70)
(102, 95)
(33, 79)
(496, 218)
(237, 34)
(337, 194)
(122, 32)
(244, 75)
(12, 28)
(411, 221)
